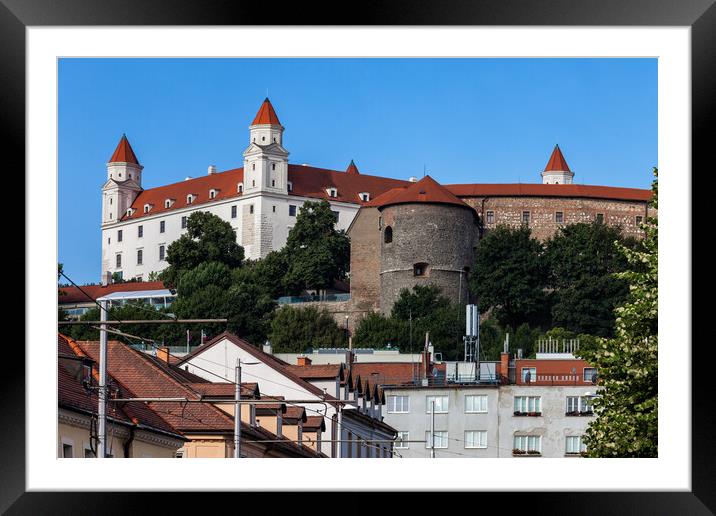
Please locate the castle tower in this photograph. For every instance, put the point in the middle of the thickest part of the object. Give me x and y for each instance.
(427, 237)
(557, 171)
(265, 159)
(124, 182)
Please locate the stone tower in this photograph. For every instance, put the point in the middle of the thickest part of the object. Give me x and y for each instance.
(427, 237)
(124, 182)
(557, 171)
(265, 159)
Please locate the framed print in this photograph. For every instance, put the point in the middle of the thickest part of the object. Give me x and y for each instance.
(187, 44)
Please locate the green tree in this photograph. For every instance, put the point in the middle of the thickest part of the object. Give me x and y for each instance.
(208, 239)
(420, 302)
(377, 331)
(627, 406)
(317, 254)
(582, 261)
(510, 276)
(294, 330)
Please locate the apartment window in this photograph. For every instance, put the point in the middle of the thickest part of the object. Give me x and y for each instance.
(639, 220)
(401, 442)
(139, 256)
(528, 405)
(140, 231)
(161, 253)
(388, 235)
(526, 217)
(183, 222)
(476, 439)
(162, 226)
(67, 451)
(420, 269)
(528, 443)
(590, 374)
(233, 212)
(559, 217)
(476, 403)
(529, 374)
(577, 405)
(441, 439)
(575, 445)
(119, 261)
(490, 217)
(600, 218)
(398, 404)
(291, 210)
(441, 404)
(119, 235)
(251, 208)
(89, 454)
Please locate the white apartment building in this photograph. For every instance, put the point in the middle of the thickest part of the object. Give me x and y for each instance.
(260, 200)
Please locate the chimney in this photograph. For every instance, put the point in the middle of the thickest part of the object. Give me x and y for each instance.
(504, 364)
(303, 361)
(413, 179)
(163, 354)
(267, 348)
(212, 169)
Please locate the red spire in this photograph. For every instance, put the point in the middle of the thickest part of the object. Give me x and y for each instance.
(123, 152)
(266, 115)
(556, 162)
(352, 169)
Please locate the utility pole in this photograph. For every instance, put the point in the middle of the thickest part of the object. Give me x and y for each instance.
(237, 412)
(102, 393)
(432, 429)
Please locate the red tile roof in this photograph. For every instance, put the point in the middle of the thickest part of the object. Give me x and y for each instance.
(425, 191)
(294, 413)
(124, 152)
(352, 169)
(542, 190)
(389, 373)
(315, 423)
(557, 162)
(75, 295)
(225, 389)
(266, 115)
(316, 371)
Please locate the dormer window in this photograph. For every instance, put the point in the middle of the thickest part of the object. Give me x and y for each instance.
(190, 198)
(168, 203)
(212, 193)
(130, 212)
(364, 196)
(147, 208)
(240, 188)
(332, 192)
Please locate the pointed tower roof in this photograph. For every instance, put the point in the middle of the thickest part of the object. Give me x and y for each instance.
(124, 153)
(266, 115)
(425, 191)
(352, 169)
(556, 162)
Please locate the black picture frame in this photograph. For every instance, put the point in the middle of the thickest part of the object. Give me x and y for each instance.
(700, 15)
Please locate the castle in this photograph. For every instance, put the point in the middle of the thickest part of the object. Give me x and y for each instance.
(403, 232)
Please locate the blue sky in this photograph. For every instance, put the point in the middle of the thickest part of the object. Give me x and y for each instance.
(464, 120)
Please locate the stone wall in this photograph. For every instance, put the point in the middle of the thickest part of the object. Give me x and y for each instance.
(365, 259)
(338, 310)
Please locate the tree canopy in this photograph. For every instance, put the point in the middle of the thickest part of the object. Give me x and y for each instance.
(294, 330)
(627, 405)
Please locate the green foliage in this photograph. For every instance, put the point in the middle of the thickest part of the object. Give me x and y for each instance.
(316, 253)
(421, 302)
(583, 259)
(294, 330)
(510, 276)
(377, 331)
(208, 239)
(627, 407)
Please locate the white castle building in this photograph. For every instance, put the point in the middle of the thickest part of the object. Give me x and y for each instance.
(260, 200)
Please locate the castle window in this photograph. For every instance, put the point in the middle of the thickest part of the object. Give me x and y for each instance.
(289, 184)
(183, 222)
(273, 182)
(241, 188)
(251, 208)
(526, 217)
(161, 253)
(253, 182)
(189, 199)
(273, 166)
(364, 196)
(559, 217)
(162, 226)
(130, 176)
(233, 212)
(600, 218)
(263, 138)
(139, 256)
(332, 192)
(168, 203)
(212, 193)
(274, 208)
(140, 231)
(639, 220)
(147, 207)
(110, 201)
(388, 235)
(253, 166)
(420, 269)
(119, 235)
(490, 217)
(291, 210)
(118, 262)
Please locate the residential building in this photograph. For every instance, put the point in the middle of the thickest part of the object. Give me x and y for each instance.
(76, 301)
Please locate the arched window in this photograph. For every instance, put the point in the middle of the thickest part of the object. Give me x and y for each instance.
(388, 235)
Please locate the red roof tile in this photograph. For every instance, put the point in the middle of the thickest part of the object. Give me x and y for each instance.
(316, 371)
(75, 295)
(314, 423)
(389, 373)
(124, 152)
(542, 190)
(352, 169)
(557, 162)
(425, 191)
(294, 413)
(266, 115)
(225, 389)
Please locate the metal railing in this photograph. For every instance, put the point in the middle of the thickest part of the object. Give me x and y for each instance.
(327, 298)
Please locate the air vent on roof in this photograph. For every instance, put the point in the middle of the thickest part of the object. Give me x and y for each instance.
(422, 192)
(212, 169)
(413, 179)
(187, 178)
(304, 164)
